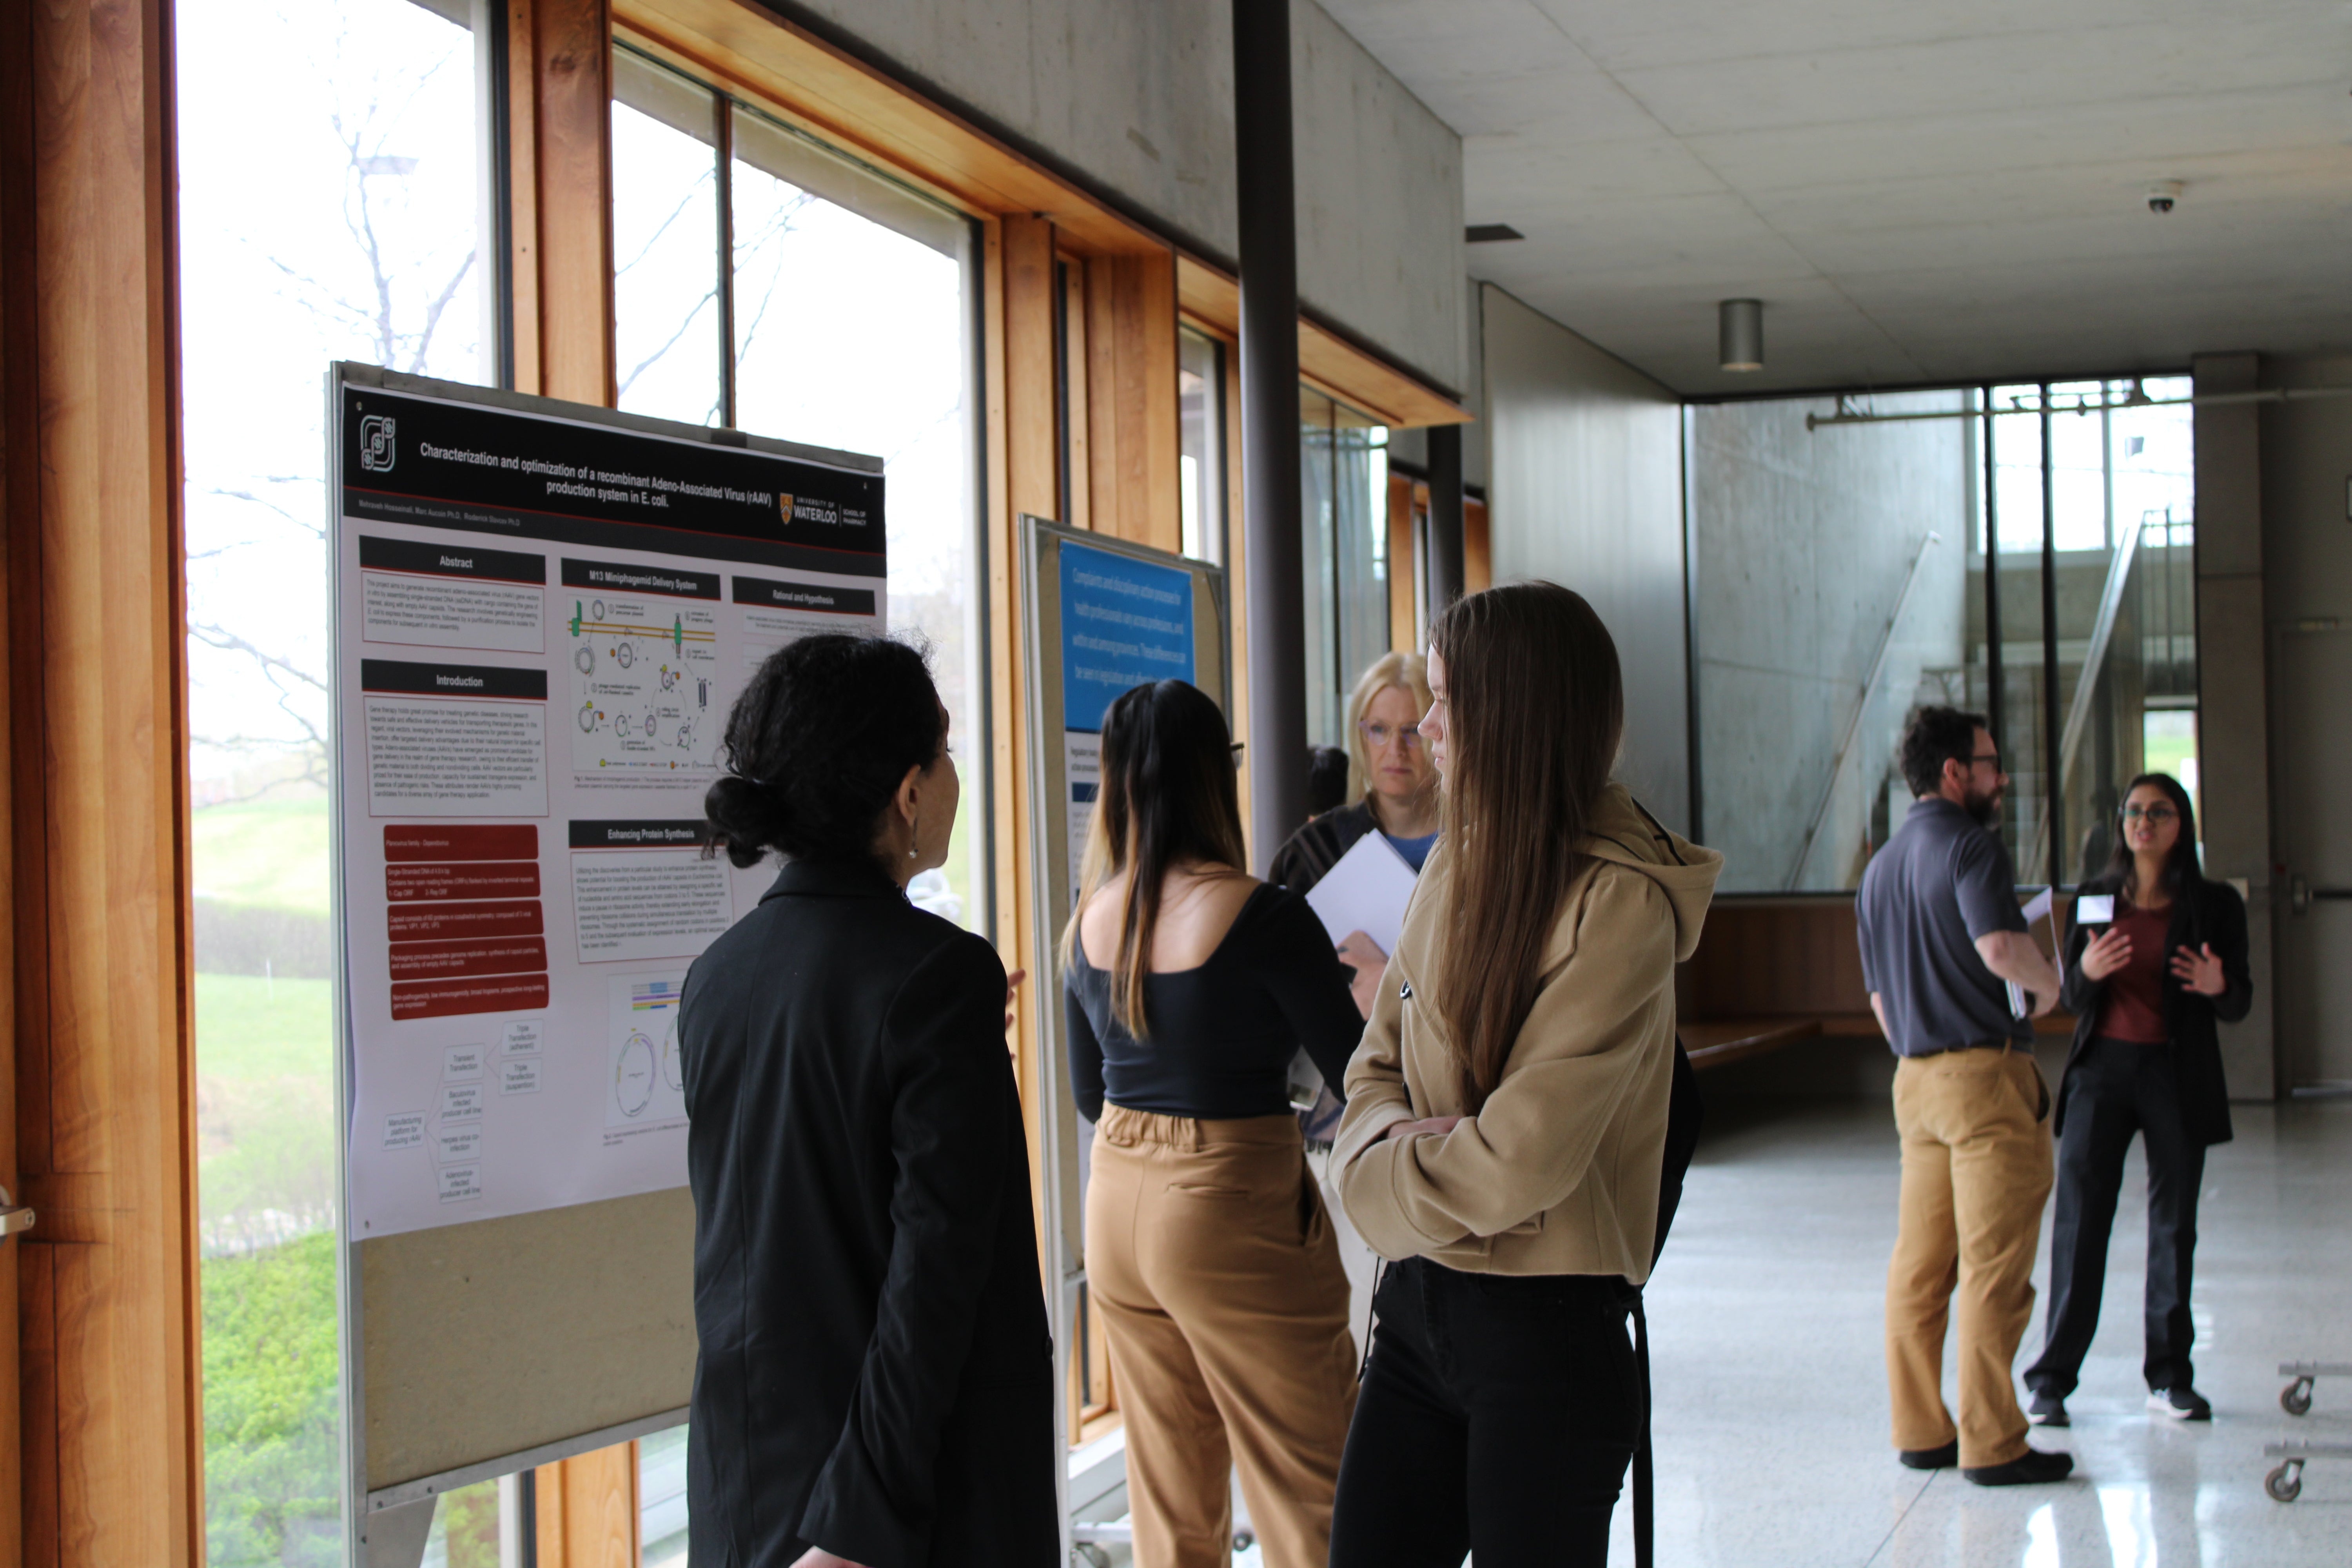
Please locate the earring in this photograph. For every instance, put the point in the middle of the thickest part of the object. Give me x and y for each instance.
(914, 837)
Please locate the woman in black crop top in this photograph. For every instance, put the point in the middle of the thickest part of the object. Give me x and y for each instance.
(1188, 987)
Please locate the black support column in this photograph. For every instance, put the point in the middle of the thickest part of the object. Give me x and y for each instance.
(2053, 765)
(1445, 563)
(1273, 538)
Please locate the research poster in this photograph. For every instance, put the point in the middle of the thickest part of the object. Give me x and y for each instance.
(1124, 622)
(541, 621)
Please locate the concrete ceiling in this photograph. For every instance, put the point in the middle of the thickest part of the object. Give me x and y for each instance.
(1917, 190)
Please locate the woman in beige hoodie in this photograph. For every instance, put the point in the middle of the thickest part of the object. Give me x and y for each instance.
(1507, 1111)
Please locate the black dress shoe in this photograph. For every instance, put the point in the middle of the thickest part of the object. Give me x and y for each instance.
(1942, 1458)
(2047, 1410)
(2029, 1468)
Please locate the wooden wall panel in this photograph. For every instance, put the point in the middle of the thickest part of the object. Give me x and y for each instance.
(97, 730)
(589, 1510)
(1769, 956)
(1134, 417)
(561, 54)
(1022, 476)
(1478, 548)
(25, 1391)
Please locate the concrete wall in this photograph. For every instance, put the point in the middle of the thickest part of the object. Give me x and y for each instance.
(1584, 459)
(2233, 730)
(1139, 98)
(1803, 543)
(2307, 561)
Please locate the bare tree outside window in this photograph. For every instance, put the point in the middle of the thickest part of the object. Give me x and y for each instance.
(328, 211)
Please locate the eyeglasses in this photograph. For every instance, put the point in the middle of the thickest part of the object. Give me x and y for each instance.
(1990, 759)
(1378, 735)
(2154, 815)
(1236, 749)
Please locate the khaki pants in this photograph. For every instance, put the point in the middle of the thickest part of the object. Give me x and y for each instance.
(1212, 1262)
(1975, 1172)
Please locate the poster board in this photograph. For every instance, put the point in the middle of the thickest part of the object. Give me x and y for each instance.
(541, 614)
(1099, 616)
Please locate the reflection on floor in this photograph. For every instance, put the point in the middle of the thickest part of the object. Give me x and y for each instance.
(1770, 1386)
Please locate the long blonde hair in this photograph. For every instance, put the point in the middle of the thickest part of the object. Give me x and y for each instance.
(1407, 670)
(1167, 798)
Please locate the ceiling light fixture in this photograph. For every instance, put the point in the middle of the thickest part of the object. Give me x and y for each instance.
(1742, 333)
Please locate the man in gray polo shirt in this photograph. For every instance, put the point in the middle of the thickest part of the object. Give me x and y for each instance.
(1942, 940)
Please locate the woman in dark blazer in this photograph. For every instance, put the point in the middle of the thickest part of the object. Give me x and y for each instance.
(2146, 986)
(874, 1383)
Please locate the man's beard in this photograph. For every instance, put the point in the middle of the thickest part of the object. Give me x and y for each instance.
(1985, 807)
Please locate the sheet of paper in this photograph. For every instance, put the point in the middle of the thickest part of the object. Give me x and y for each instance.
(2037, 908)
(2094, 909)
(1366, 891)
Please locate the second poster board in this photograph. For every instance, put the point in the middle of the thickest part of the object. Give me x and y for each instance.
(1099, 616)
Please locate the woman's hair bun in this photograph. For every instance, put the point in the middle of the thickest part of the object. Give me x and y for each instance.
(745, 817)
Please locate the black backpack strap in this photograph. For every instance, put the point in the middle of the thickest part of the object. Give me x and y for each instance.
(1644, 1489)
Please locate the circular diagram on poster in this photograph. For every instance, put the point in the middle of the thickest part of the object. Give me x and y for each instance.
(626, 653)
(633, 1075)
(585, 661)
(672, 1068)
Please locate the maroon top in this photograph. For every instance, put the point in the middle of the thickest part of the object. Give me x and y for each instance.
(2134, 1006)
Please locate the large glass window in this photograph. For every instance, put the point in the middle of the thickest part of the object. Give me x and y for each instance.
(1844, 571)
(330, 202)
(666, 303)
(767, 282)
(1344, 475)
(1200, 459)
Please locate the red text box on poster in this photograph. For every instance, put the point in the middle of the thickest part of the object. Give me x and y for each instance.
(450, 998)
(449, 922)
(449, 960)
(412, 841)
(436, 883)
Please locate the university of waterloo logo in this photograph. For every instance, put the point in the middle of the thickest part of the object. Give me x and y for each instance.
(376, 450)
(784, 503)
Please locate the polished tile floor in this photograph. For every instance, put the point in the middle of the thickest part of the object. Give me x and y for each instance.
(1770, 1381)
(1771, 1423)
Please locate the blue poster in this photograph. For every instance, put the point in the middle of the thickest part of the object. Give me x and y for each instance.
(1124, 622)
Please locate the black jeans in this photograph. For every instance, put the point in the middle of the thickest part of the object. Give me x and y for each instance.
(1496, 1417)
(2118, 1088)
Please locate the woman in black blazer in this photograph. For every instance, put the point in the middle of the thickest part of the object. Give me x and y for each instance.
(2145, 985)
(874, 1383)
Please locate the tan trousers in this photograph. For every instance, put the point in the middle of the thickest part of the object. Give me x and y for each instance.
(1212, 1261)
(1975, 1172)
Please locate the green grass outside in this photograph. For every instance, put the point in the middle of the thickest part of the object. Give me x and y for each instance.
(249, 1027)
(266, 853)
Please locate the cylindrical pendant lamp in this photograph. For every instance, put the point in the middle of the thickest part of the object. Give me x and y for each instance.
(1742, 334)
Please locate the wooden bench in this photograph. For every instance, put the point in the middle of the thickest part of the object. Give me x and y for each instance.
(1775, 971)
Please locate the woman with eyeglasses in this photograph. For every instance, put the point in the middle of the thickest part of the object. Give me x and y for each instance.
(1392, 791)
(1392, 787)
(2158, 957)
(1188, 987)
